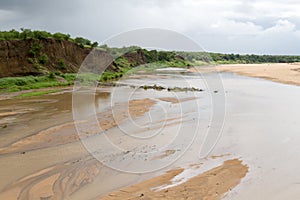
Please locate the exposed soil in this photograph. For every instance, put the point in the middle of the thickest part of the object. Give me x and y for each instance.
(16, 58)
(15, 54)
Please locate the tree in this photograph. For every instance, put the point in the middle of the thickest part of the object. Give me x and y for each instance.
(104, 46)
(95, 44)
(26, 34)
(82, 41)
(59, 36)
(41, 34)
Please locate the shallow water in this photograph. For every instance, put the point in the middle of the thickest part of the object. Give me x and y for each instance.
(261, 128)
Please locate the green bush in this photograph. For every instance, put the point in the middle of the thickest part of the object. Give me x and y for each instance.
(41, 34)
(25, 34)
(43, 59)
(61, 36)
(30, 60)
(51, 75)
(82, 41)
(62, 64)
(95, 44)
(69, 77)
(35, 48)
(36, 66)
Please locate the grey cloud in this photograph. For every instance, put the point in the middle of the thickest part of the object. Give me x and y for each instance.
(100, 19)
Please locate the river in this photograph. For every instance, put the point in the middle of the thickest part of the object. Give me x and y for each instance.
(143, 133)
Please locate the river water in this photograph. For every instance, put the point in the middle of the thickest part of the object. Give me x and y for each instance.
(251, 119)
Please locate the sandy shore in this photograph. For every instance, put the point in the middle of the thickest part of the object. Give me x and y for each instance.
(211, 185)
(288, 73)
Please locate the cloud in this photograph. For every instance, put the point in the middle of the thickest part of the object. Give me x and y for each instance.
(280, 27)
(244, 26)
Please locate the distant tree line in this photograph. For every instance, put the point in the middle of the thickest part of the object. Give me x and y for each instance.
(238, 58)
(26, 34)
(254, 58)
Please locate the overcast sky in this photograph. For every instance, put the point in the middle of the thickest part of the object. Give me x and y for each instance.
(231, 26)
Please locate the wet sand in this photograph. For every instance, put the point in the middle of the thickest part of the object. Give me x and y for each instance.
(63, 179)
(66, 133)
(55, 182)
(60, 179)
(210, 185)
(288, 73)
(175, 100)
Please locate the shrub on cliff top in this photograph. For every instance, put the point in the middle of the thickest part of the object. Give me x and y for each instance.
(25, 34)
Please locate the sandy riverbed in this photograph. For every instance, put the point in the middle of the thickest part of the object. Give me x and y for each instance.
(246, 163)
(66, 133)
(288, 73)
(60, 179)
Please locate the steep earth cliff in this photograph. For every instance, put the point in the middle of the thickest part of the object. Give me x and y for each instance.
(38, 57)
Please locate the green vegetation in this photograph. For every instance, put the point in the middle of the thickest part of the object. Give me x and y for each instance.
(35, 48)
(62, 64)
(237, 58)
(157, 65)
(202, 58)
(15, 84)
(83, 41)
(123, 63)
(26, 34)
(43, 59)
(38, 93)
(117, 52)
(110, 76)
(61, 36)
(94, 44)
(34, 53)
